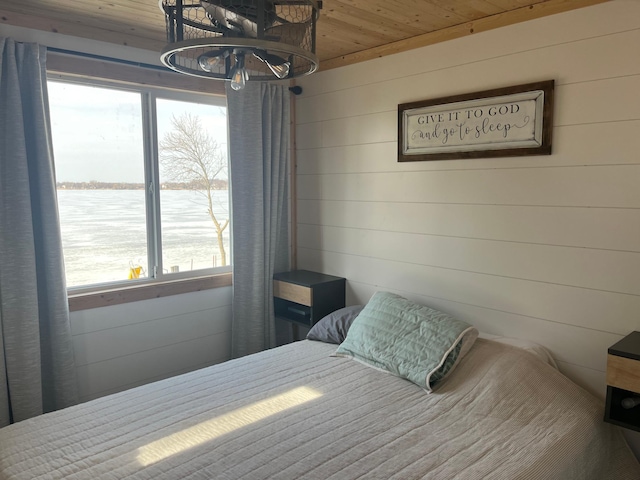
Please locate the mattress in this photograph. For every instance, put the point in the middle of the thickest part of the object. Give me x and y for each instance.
(295, 412)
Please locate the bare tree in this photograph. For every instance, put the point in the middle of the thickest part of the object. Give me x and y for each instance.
(188, 154)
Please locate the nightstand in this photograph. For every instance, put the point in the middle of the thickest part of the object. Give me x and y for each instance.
(623, 383)
(304, 297)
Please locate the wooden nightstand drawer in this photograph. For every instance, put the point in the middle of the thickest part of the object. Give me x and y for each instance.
(623, 373)
(292, 292)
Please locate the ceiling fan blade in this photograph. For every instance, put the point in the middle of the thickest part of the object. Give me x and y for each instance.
(240, 16)
(269, 57)
(278, 65)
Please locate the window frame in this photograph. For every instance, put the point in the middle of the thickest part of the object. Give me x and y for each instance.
(158, 283)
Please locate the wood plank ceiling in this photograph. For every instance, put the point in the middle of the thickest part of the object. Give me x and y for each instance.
(348, 30)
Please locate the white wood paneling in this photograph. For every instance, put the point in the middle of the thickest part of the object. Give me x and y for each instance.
(131, 344)
(126, 340)
(541, 247)
(542, 63)
(374, 120)
(560, 226)
(138, 383)
(366, 128)
(606, 270)
(592, 186)
(610, 100)
(308, 135)
(591, 309)
(86, 321)
(589, 379)
(101, 377)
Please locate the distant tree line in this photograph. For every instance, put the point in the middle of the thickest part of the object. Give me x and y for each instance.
(216, 184)
(95, 185)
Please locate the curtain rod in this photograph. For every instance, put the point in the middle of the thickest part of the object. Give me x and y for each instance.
(108, 59)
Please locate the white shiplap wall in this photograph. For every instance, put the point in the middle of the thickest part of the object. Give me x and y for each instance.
(543, 247)
(127, 345)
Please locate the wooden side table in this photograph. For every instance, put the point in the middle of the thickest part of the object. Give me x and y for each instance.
(623, 383)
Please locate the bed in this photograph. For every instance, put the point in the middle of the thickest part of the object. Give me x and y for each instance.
(297, 412)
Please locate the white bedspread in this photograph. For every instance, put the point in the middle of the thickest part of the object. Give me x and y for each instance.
(294, 413)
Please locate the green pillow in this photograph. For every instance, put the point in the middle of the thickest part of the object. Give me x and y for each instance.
(408, 340)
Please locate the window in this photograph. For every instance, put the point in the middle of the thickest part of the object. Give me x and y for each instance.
(142, 183)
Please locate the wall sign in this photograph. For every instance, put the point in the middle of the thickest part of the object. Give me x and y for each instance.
(505, 122)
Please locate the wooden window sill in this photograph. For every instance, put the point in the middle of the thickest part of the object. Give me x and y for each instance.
(146, 291)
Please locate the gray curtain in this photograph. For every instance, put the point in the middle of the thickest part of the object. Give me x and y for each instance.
(259, 133)
(37, 372)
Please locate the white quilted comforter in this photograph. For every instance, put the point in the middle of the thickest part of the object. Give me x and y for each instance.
(296, 413)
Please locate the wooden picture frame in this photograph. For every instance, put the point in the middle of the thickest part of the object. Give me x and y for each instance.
(503, 122)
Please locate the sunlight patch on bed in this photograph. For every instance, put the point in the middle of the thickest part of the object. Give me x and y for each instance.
(203, 432)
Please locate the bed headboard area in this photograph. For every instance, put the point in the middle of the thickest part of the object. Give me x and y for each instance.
(545, 248)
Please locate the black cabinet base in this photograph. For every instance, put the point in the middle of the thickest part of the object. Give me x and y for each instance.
(618, 415)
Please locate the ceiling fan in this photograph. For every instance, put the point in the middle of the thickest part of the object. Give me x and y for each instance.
(241, 40)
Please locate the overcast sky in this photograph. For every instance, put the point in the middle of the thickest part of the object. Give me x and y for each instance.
(97, 132)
